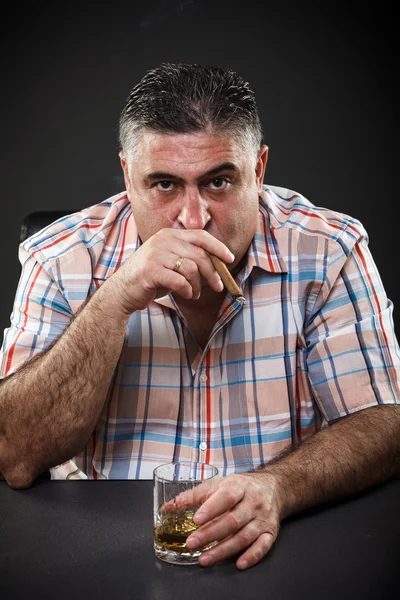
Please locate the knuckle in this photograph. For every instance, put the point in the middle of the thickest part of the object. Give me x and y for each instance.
(245, 537)
(201, 254)
(257, 504)
(234, 521)
(266, 543)
(181, 284)
(269, 527)
(232, 494)
(163, 232)
(191, 267)
(256, 556)
(203, 233)
(274, 530)
(209, 493)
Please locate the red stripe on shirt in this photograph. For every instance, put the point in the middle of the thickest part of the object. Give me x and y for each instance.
(228, 307)
(67, 235)
(208, 410)
(270, 263)
(11, 352)
(314, 216)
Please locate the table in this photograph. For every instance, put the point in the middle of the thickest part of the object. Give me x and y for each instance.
(93, 539)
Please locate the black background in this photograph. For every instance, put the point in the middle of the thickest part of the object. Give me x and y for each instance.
(325, 78)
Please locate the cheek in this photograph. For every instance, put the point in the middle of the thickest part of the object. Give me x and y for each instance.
(237, 226)
(246, 225)
(149, 218)
(244, 218)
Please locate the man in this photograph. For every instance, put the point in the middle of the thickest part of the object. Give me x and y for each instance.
(125, 351)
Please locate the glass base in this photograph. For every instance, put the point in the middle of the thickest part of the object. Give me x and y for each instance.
(176, 558)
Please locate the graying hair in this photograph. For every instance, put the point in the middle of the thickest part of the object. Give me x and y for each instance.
(189, 98)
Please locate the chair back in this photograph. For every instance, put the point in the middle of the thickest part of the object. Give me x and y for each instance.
(37, 220)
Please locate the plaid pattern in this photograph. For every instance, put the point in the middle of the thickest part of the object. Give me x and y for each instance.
(315, 340)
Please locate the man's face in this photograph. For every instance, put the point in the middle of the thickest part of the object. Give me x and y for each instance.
(196, 181)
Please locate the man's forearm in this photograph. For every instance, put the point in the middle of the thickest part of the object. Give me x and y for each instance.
(353, 454)
(49, 408)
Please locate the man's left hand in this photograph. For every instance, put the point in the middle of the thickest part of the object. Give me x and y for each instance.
(241, 511)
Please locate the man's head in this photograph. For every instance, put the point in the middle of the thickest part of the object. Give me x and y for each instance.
(192, 154)
(184, 98)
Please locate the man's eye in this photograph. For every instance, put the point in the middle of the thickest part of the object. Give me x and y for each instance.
(219, 183)
(164, 185)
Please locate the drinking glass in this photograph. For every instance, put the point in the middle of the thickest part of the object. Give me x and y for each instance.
(172, 527)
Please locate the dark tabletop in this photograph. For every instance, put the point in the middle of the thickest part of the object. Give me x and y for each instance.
(93, 539)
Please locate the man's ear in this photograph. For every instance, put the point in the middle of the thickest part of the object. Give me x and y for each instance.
(125, 169)
(261, 166)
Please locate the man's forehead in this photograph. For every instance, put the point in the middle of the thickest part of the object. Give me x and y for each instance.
(198, 150)
(152, 141)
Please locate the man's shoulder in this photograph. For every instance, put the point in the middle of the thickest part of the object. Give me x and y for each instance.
(290, 210)
(86, 229)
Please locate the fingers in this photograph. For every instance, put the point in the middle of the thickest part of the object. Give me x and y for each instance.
(194, 248)
(256, 552)
(195, 496)
(197, 267)
(240, 513)
(181, 502)
(215, 497)
(190, 272)
(221, 500)
(171, 261)
(204, 241)
(229, 522)
(260, 544)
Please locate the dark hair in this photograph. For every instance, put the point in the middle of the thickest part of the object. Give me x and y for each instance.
(185, 98)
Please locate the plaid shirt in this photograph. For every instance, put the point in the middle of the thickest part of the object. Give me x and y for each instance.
(315, 340)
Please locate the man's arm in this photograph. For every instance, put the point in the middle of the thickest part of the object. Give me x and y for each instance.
(49, 408)
(244, 511)
(354, 453)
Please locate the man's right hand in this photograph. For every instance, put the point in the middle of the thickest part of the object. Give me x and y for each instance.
(149, 273)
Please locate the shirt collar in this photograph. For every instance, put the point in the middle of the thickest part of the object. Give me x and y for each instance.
(264, 252)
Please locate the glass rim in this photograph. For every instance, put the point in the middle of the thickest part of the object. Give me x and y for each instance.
(185, 463)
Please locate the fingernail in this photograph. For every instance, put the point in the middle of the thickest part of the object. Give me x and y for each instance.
(200, 518)
(206, 560)
(192, 542)
(232, 255)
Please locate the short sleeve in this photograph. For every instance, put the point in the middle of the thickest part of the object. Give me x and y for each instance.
(353, 356)
(40, 315)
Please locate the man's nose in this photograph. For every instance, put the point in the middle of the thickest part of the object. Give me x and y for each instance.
(194, 213)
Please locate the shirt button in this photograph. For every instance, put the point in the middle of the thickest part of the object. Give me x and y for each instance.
(203, 446)
(203, 378)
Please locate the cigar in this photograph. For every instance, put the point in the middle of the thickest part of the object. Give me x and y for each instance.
(227, 279)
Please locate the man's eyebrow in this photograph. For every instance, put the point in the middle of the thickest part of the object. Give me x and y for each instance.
(161, 175)
(226, 166)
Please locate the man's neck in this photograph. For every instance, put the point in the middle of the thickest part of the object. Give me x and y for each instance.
(209, 301)
(201, 315)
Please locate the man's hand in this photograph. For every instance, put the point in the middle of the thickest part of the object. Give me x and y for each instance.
(244, 511)
(149, 273)
(239, 510)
